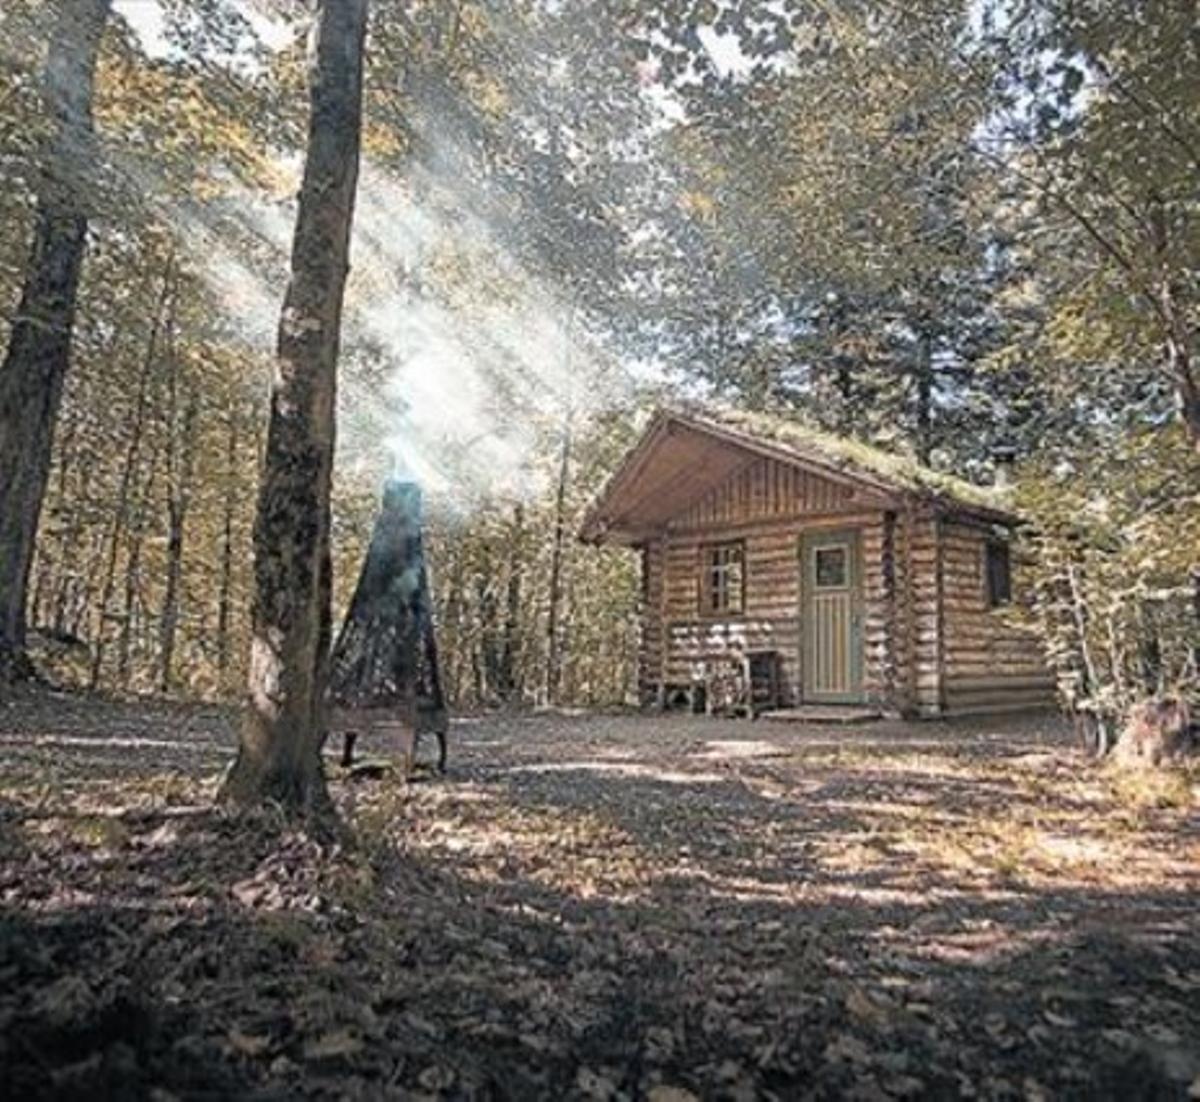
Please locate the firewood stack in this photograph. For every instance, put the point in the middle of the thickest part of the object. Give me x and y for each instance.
(384, 677)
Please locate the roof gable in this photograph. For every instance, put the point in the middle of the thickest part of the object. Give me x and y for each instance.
(684, 456)
(766, 489)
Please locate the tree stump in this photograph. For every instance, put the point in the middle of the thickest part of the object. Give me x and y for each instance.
(1159, 731)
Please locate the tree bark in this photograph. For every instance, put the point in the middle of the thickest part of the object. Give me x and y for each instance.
(35, 364)
(284, 724)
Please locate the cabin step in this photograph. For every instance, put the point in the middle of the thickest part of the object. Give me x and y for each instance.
(824, 713)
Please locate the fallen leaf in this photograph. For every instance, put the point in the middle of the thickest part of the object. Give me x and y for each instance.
(594, 1085)
(336, 1044)
(903, 1086)
(248, 1044)
(864, 1008)
(667, 1093)
(847, 1047)
(1163, 1034)
(436, 1078)
(1060, 1020)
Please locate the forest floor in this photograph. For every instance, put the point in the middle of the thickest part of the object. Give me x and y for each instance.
(598, 907)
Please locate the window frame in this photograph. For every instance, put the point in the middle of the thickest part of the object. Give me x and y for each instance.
(847, 582)
(708, 572)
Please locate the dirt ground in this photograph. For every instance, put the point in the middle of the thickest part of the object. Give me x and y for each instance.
(598, 907)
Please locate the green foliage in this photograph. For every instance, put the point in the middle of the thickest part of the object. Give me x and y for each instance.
(1115, 570)
(1096, 129)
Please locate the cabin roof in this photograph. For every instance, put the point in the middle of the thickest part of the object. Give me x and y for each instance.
(682, 454)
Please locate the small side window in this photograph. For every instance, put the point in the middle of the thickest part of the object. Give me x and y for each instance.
(998, 574)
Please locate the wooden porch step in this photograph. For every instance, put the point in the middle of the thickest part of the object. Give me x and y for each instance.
(824, 713)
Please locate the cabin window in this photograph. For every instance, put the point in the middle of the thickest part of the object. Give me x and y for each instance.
(998, 574)
(723, 578)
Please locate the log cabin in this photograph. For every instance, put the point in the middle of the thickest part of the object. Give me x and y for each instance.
(832, 574)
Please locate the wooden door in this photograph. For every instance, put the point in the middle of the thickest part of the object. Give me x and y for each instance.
(832, 599)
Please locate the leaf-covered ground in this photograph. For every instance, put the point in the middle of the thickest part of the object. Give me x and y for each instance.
(598, 907)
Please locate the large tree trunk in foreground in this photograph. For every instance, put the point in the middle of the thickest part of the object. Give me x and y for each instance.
(39, 348)
(285, 721)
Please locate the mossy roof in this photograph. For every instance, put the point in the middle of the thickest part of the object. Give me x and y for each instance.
(855, 459)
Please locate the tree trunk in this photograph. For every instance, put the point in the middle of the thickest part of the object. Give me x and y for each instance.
(179, 496)
(39, 348)
(924, 387)
(224, 600)
(1178, 332)
(487, 611)
(553, 662)
(1099, 741)
(130, 617)
(453, 633)
(508, 686)
(177, 516)
(1182, 371)
(285, 721)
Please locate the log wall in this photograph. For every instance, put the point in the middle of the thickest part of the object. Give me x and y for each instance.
(650, 649)
(990, 664)
(924, 626)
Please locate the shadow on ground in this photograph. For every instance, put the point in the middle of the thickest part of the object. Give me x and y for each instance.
(597, 907)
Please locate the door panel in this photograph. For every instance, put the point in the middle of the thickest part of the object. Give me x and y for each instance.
(832, 655)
